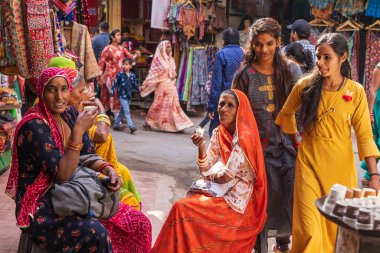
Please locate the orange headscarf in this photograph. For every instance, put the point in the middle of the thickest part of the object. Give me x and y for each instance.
(249, 141)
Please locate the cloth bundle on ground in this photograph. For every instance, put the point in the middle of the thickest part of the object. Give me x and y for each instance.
(84, 194)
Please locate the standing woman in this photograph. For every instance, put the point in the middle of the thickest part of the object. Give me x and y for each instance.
(267, 78)
(374, 109)
(165, 114)
(331, 104)
(111, 63)
(244, 29)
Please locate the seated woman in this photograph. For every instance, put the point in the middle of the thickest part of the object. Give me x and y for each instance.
(100, 132)
(203, 223)
(47, 145)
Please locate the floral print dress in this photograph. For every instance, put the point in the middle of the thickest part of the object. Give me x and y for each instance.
(127, 231)
(111, 62)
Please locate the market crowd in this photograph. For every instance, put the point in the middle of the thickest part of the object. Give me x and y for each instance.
(280, 128)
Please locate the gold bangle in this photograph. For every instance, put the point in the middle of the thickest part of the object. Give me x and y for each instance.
(202, 164)
(202, 159)
(73, 146)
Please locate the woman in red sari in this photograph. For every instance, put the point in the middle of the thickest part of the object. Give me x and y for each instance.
(206, 223)
(111, 63)
(46, 148)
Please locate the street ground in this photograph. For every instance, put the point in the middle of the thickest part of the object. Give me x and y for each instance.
(162, 165)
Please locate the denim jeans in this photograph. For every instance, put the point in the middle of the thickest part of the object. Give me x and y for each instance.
(125, 111)
(214, 123)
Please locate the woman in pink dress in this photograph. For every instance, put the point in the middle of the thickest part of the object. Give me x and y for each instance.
(110, 62)
(165, 114)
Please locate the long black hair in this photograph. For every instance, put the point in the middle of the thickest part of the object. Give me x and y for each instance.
(113, 34)
(301, 55)
(282, 74)
(311, 94)
(243, 19)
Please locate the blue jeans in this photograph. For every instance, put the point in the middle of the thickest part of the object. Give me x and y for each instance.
(214, 123)
(125, 111)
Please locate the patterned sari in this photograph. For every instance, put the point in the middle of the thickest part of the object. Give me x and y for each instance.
(165, 114)
(231, 223)
(37, 150)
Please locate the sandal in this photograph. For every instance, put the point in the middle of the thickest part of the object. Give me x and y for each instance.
(147, 127)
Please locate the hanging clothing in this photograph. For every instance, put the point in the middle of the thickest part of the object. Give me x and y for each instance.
(353, 42)
(231, 223)
(38, 36)
(111, 63)
(200, 76)
(371, 59)
(77, 39)
(373, 9)
(349, 8)
(188, 21)
(279, 153)
(165, 113)
(318, 164)
(219, 21)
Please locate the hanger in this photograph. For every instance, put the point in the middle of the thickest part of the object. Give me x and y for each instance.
(347, 25)
(189, 2)
(321, 22)
(374, 26)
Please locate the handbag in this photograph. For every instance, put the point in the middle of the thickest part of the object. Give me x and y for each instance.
(211, 188)
(84, 194)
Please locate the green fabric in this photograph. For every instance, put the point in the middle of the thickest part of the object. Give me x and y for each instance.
(5, 160)
(129, 187)
(61, 62)
(188, 74)
(375, 130)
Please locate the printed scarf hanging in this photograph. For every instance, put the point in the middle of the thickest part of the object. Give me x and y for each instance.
(38, 35)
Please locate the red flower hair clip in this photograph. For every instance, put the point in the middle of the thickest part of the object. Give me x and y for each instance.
(348, 95)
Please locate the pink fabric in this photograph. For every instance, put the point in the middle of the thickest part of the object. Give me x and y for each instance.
(130, 231)
(162, 68)
(36, 190)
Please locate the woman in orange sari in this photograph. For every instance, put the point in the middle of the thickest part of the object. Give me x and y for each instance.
(231, 222)
(165, 114)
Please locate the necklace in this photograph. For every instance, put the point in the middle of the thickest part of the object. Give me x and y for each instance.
(341, 84)
(63, 131)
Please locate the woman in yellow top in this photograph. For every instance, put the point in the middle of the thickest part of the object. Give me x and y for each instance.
(331, 104)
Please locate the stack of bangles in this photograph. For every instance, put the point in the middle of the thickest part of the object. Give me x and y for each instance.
(371, 114)
(202, 162)
(73, 146)
(102, 166)
(103, 118)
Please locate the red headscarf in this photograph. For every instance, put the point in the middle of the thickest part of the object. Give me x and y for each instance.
(249, 141)
(36, 190)
(162, 68)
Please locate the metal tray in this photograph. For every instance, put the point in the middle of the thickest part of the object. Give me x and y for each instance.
(319, 204)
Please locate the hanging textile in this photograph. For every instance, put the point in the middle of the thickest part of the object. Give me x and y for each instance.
(373, 8)
(200, 75)
(6, 56)
(56, 31)
(160, 13)
(77, 39)
(18, 41)
(349, 8)
(182, 74)
(371, 59)
(353, 42)
(38, 35)
(188, 21)
(321, 8)
(189, 69)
